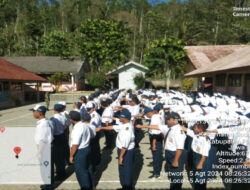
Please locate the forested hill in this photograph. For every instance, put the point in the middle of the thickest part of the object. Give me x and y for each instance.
(26, 25)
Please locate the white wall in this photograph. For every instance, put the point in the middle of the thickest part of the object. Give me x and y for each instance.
(126, 78)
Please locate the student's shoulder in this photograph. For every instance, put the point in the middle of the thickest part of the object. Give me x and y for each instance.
(179, 130)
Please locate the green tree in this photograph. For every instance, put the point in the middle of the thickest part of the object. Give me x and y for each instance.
(55, 44)
(139, 80)
(167, 57)
(103, 43)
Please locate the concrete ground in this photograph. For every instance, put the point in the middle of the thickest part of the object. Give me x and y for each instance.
(107, 172)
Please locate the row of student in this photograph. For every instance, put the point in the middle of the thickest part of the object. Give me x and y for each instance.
(115, 106)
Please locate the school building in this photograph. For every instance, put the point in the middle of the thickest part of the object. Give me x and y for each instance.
(224, 69)
(45, 66)
(123, 75)
(13, 90)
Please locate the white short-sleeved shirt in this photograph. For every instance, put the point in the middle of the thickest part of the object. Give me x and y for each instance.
(155, 120)
(162, 115)
(59, 122)
(175, 138)
(108, 112)
(81, 135)
(134, 110)
(92, 130)
(115, 104)
(201, 144)
(43, 131)
(125, 137)
(95, 119)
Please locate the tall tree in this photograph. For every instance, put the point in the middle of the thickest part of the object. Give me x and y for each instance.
(56, 44)
(103, 43)
(166, 57)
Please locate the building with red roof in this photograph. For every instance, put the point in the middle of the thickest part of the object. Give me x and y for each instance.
(12, 83)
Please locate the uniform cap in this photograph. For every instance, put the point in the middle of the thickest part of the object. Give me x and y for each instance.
(39, 108)
(147, 110)
(58, 107)
(157, 107)
(125, 114)
(173, 115)
(62, 103)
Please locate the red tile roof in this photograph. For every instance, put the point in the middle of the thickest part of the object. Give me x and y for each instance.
(202, 56)
(9, 71)
(239, 59)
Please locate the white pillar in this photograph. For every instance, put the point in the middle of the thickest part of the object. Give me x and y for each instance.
(72, 81)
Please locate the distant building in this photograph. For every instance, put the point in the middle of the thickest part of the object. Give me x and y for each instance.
(46, 66)
(126, 74)
(12, 84)
(224, 69)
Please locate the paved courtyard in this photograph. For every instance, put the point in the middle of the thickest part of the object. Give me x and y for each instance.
(107, 171)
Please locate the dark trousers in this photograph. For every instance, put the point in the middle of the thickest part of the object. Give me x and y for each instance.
(138, 132)
(59, 153)
(175, 174)
(95, 155)
(109, 136)
(200, 176)
(82, 164)
(67, 148)
(126, 170)
(157, 155)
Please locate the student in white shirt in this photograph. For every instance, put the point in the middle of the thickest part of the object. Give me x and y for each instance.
(43, 139)
(59, 123)
(65, 114)
(95, 122)
(175, 153)
(83, 100)
(125, 143)
(80, 154)
(107, 121)
(200, 151)
(77, 106)
(156, 139)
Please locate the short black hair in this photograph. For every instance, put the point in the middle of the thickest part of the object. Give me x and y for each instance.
(104, 103)
(75, 116)
(202, 125)
(83, 98)
(135, 100)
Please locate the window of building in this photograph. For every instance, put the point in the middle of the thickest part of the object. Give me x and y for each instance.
(220, 80)
(6, 86)
(234, 80)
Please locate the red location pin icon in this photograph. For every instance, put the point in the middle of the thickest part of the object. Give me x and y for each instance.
(17, 150)
(2, 129)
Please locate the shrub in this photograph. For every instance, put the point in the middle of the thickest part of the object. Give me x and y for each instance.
(96, 79)
(187, 84)
(57, 79)
(139, 80)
